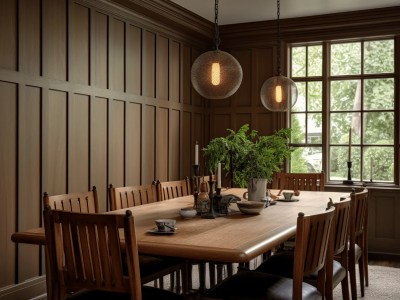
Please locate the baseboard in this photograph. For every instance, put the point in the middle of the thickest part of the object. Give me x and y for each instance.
(384, 256)
(33, 289)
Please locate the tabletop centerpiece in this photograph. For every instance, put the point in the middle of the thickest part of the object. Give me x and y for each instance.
(249, 158)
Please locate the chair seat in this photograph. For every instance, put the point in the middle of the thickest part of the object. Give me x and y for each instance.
(281, 264)
(152, 267)
(149, 293)
(257, 285)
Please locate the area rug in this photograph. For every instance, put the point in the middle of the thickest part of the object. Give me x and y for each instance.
(384, 284)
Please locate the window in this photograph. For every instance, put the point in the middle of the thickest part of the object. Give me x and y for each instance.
(345, 88)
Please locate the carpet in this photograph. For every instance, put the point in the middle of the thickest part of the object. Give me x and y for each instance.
(383, 284)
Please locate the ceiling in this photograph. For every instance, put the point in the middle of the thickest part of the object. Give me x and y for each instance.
(241, 11)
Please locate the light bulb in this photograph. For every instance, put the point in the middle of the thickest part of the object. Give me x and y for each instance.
(278, 93)
(215, 73)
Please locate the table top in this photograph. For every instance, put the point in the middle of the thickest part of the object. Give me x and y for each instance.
(233, 238)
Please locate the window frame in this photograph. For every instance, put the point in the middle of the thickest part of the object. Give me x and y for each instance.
(326, 79)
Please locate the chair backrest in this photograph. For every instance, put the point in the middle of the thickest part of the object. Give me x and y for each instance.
(85, 202)
(312, 237)
(128, 196)
(173, 189)
(339, 238)
(358, 211)
(85, 253)
(299, 181)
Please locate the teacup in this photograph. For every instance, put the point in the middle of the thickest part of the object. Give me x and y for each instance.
(165, 225)
(288, 195)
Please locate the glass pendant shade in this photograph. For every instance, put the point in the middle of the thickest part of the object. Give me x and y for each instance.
(278, 93)
(216, 75)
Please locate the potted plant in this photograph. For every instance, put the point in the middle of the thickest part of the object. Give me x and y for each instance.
(247, 156)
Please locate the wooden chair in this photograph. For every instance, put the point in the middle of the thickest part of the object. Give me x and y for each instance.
(336, 271)
(299, 181)
(312, 237)
(152, 268)
(85, 202)
(85, 252)
(173, 189)
(129, 196)
(358, 250)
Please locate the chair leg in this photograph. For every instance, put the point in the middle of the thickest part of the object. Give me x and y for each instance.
(352, 275)
(211, 272)
(202, 277)
(220, 269)
(229, 269)
(361, 271)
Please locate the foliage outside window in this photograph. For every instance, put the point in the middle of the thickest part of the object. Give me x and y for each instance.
(353, 90)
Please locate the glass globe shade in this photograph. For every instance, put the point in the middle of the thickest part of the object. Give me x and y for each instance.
(278, 93)
(216, 75)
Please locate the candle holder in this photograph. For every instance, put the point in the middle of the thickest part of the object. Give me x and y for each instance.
(196, 185)
(349, 180)
(211, 212)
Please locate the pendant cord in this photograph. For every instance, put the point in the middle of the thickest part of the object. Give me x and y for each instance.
(217, 39)
(278, 4)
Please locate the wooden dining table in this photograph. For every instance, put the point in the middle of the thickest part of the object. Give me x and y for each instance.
(235, 237)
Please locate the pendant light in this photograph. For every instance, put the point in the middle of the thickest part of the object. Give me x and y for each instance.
(278, 93)
(216, 74)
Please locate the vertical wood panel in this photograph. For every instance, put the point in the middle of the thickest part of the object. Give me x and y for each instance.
(101, 51)
(185, 78)
(29, 37)
(221, 123)
(148, 141)
(162, 144)
(174, 71)
(8, 34)
(264, 123)
(79, 44)
(242, 97)
(55, 142)
(187, 155)
(133, 141)
(148, 64)
(29, 194)
(78, 144)
(117, 48)
(264, 69)
(385, 218)
(98, 148)
(133, 59)
(174, 145)
(196, 99)
(8, 182)
(116, 145)
(241, 119)
(162, 68)
(55, 39)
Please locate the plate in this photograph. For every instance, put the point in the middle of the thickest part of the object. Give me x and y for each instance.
(285, 200)
(155, 231)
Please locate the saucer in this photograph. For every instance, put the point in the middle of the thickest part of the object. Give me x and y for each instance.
(156, 231)
(287, 200)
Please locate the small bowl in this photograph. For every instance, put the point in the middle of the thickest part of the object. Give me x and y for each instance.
(251, 207)
(188, 212)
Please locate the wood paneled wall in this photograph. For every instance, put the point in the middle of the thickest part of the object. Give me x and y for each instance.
(90, 94)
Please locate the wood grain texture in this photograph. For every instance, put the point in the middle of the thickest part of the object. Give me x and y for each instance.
(54, 39)
(29, 37)
(79, 143)
(29, 193)
(8, 34)
(133, 141)
(8, 182)
(79, 55)
(98, 149)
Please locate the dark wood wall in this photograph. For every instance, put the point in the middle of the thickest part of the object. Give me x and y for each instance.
(90, 94)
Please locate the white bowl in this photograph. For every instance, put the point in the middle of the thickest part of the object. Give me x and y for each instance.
(188, 212)
(251, 207)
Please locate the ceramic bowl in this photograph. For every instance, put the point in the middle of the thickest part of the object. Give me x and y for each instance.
(288, 195)
(251, 207)
(187, 212)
